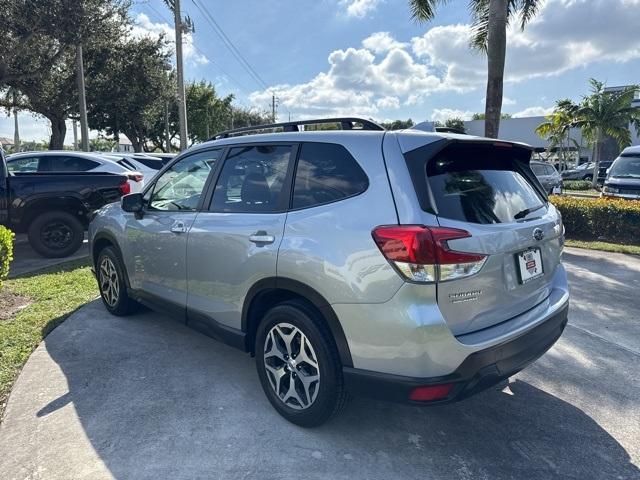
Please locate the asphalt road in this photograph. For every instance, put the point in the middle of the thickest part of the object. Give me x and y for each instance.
(26, 260)
(145, 397)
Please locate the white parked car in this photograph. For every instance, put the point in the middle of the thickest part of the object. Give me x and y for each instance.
(63, 161)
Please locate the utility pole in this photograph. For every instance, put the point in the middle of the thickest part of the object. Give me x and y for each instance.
(84, 127)
(182, 104)
(207, 112)
(75, 134)
(167, 133)
(273, 108)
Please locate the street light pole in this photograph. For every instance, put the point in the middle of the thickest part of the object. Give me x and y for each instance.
(182, 104)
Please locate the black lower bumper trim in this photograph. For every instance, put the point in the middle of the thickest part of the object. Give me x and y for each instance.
(479, 371)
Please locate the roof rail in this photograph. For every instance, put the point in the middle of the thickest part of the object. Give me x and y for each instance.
(346, 123)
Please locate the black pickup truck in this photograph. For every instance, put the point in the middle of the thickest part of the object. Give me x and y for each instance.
(54, 209)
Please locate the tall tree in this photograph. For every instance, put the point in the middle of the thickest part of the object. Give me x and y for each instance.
(605, 113)
(556, 129)
(127, 94)
(45, 34)
(490, 21)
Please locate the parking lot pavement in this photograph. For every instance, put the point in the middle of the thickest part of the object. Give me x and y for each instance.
(25, 260)
(145, 397)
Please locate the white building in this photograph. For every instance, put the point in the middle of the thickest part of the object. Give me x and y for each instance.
(524, 130)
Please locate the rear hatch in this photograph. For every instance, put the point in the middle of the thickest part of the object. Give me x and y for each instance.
(488, 190)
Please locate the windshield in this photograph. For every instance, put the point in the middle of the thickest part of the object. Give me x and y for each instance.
(626, 167)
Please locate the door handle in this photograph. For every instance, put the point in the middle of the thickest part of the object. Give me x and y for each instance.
(262, 237)
(179, 227)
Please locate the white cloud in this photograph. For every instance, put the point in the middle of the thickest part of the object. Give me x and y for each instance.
(381, 42)
(547, 47)
(388, 102)
(358, 80)
(144, 27)
(359, 8)
(534, 112)
(444, 114)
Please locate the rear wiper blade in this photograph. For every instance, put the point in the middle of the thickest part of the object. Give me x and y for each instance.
(527, 211)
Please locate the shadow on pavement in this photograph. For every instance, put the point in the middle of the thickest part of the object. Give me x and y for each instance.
(157, 400)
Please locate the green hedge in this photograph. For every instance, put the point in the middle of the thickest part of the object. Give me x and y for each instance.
(6, 252)
(577, 185)
(614, 220)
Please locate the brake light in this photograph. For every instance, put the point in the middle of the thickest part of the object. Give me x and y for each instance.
(422, 254)
(429, 393)
(125, 188)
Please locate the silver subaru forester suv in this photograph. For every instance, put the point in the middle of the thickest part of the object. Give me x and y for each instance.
(409, 266)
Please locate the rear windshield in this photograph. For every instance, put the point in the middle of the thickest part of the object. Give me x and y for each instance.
(480, 184)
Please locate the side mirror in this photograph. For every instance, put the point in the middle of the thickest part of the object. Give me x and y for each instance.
(133, 203)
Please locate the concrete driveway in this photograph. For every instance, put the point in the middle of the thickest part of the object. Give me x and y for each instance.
(145, 397)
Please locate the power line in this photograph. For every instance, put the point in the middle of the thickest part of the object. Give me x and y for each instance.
(230, 45)
(240, 86)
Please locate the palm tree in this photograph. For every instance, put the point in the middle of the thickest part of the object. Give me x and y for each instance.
(607, 114)
(490, 21)
(557, 128)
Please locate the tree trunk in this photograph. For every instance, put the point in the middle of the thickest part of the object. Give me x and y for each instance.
(16, 131)
(496, 51)
(58, 133)
(136, 143)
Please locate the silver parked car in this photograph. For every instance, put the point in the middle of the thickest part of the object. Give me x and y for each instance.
(409, 266)
(547, 175)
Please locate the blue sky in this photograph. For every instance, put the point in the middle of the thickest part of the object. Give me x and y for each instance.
(366, 57)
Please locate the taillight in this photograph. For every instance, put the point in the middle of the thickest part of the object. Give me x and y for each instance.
(422, 254)
(125, 188)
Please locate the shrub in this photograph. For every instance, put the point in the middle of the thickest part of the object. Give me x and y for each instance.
(577, 185)
(615, 220)
(6, 252)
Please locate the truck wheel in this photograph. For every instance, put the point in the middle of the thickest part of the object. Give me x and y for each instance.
(113, 285)
(56, 234)
(298, 365)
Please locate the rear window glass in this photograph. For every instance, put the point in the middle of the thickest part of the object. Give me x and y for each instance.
(326, 173)
(481, 185)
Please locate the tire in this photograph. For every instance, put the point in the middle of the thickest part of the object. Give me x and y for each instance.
(113, 284)
(321, 399)
(56, 234)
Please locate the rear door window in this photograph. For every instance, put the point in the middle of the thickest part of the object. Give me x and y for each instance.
(254, 180)
(62, 163)
(23, 164)
(326, 173)
(481, 185)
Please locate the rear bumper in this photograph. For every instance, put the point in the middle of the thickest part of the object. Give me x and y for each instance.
(479, 371)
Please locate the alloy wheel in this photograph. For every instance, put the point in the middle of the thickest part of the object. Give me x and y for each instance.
(292, 366)
(109, 283)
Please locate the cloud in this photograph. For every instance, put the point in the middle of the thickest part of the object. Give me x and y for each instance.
(444, 114)
(534, 112)
(362, 79)
(608, 32)
(356, 82)
(144, 27)
(359, 8)
(388, 102)
(381, 42)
